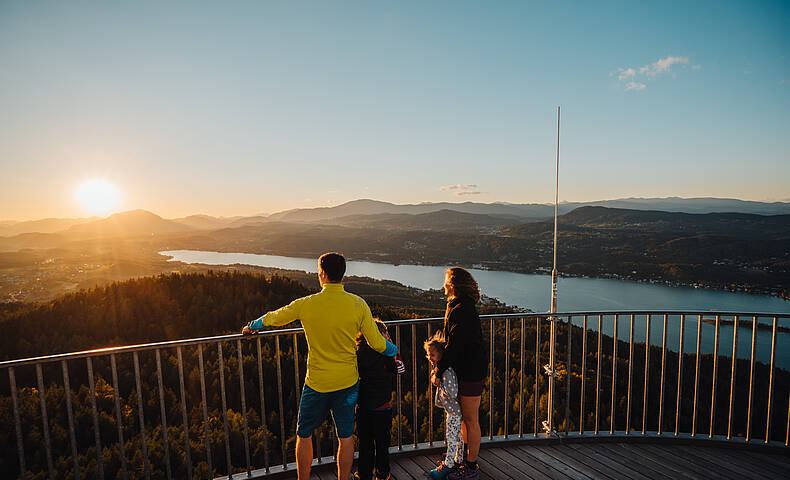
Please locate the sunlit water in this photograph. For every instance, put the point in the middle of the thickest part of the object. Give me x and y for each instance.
(575, 294)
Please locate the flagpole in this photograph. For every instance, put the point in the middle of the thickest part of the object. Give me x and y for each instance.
(549, 425)
(556, 204)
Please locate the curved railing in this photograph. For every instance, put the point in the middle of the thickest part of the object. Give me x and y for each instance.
(717, 376)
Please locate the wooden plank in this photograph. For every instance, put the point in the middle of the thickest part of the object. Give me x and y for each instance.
(723, 460)
(586, 453)
(515, 465)
(686, 452)
(538, 468)
(425, 463)
(411, 467)
(649, 460)
(562, 456)
(492, 467)
(777, 464)
(683, 464)
(397, 471)
(620, 458)
(550, 460)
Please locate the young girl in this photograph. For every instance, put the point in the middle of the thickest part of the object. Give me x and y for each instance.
(446, 398)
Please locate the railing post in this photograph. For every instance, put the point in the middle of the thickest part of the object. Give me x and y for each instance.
(521, 389)
(696, 378)
(583, 375)
(141, 414)
(118, 419)
(399, 388)
(163, 413)
(537, 372)
(732, 374)
(430, 397)
(491, 381)
(507, 375)
(45, 421)
(552, 348)
(630, 375)
(20, 444)
(770, 385)
(712, 424)
(70, 415)
(206, 436)
(568, 377)
(647, 378)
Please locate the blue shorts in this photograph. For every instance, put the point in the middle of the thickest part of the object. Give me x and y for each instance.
(314, 407)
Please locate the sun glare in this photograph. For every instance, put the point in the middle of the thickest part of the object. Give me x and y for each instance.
(97, 197)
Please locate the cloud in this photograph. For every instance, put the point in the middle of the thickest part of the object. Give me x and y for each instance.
(626, 73)
(635, 86)
(633, 78)
(468, 193)
(459, 186)
(663, 65)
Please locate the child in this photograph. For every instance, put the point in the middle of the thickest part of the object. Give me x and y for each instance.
(447, 398)
(374, 410)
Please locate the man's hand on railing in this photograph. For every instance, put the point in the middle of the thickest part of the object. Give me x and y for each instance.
(246, 330)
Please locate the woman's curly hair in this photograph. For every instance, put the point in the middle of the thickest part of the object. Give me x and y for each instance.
(462, 283)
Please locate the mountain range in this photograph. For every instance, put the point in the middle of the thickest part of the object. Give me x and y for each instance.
(366, 212)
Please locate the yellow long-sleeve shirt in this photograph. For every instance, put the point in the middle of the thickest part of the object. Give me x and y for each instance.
(331, 319)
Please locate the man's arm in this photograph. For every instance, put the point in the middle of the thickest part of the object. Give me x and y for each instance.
(276, 318)
(373, 336)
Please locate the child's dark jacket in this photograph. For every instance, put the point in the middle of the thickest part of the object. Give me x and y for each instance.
(376, 376)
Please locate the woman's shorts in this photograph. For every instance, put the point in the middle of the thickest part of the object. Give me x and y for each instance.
(470, 389)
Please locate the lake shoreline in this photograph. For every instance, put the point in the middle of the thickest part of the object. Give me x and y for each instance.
(377, 258)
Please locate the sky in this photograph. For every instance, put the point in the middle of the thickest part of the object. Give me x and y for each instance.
(239, 108)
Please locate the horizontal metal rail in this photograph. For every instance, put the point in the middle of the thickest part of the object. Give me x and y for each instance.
(690, 375)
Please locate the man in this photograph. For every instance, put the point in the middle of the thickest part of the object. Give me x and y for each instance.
(331, 319)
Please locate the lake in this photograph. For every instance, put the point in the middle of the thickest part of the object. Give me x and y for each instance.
(574, 294)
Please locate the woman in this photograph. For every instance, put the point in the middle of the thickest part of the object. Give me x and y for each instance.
(465, 353)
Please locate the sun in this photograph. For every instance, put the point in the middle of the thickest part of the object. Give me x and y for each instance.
(97, 196)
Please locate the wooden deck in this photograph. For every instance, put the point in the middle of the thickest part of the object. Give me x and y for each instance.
(607, 461)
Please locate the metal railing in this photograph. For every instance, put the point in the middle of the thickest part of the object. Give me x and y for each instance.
(643, 382)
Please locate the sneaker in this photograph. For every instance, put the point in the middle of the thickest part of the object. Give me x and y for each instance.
(464, 472)
(383, 478)
(440, 472)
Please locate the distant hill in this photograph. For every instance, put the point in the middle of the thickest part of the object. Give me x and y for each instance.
(30, 240)
(205, 222)
(439, 220)
(47, 225)
(532, 211)
(602, 217)
(374, 207)
(695, 205)
(132, 223)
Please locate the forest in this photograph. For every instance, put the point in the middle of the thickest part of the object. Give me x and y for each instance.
(177, 423)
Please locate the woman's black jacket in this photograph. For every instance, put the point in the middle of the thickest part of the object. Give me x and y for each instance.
(463, 334)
